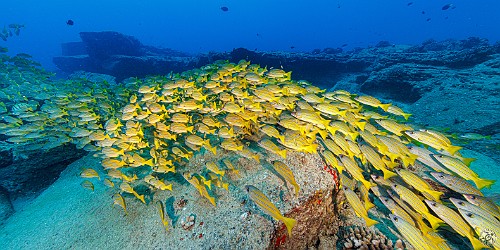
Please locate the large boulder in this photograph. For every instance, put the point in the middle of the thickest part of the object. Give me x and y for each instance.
(102, 45)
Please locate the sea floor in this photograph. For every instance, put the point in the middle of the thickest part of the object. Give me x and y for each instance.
(67, 216)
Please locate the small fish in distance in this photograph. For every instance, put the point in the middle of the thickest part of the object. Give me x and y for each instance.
(448, 6)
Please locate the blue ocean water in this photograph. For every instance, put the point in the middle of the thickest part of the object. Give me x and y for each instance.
(201, 26)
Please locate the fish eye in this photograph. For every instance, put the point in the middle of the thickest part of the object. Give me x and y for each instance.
(395, 218)
(461, 203)
(434, 204)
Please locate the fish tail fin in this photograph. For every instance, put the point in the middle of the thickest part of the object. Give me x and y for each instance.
(210, 148)
(435, 194)
(282, 153)
(212, 200)
(369, 205)
(190, 129)
(289, 223)
(353, 135)
(256, 157)
(331, 129)
(281, 138)
(370, 222)
(221, 172)
(434, 221)
(254, 118)
(453, 149)
(313, 148)
(391, 165)
(323, 134)
(468, 161)
(423, 227)
(387, 173)
(141, 197)
(150, 162)
(481, 183)
(477, 244)
(406, 115)
(407, 161)
(361, 125)
(208, 184)
(339, 168)
(391, 156)
(288, 75)
(385, 107)
(297, 188)
(367, 184)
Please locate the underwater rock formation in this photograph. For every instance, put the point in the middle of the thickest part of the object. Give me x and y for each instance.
(6, 208)
(121, 56)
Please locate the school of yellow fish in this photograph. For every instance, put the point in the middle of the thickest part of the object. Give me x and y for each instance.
(146, 131)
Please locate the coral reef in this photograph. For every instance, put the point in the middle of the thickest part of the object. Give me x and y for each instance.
(362, 238)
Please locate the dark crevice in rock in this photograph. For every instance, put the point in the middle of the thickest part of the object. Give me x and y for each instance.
(399, 91)
(32, 172)
(6, 158)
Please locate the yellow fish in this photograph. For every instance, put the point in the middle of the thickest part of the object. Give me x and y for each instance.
(487, 231)
(429, 139)
(397, 111)
(483, 203)
(352, 167)
(112, 163)
(125, 187)
(414, 201)
(88, 185)
(374, 158)
(230, 166)
(163, 216)
(270, 146)
(418, 183)
(286, 173)
(269, 208)
(412, 234)
(456, 222)
(272, 132)
(89, 173)
(214, 168)
(372, 101)
(462, 170)
(332, 161)
(358, 206)
(153, 181)
(118, 200)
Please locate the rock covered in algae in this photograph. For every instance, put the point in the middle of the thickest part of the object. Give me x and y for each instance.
(150, 134)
